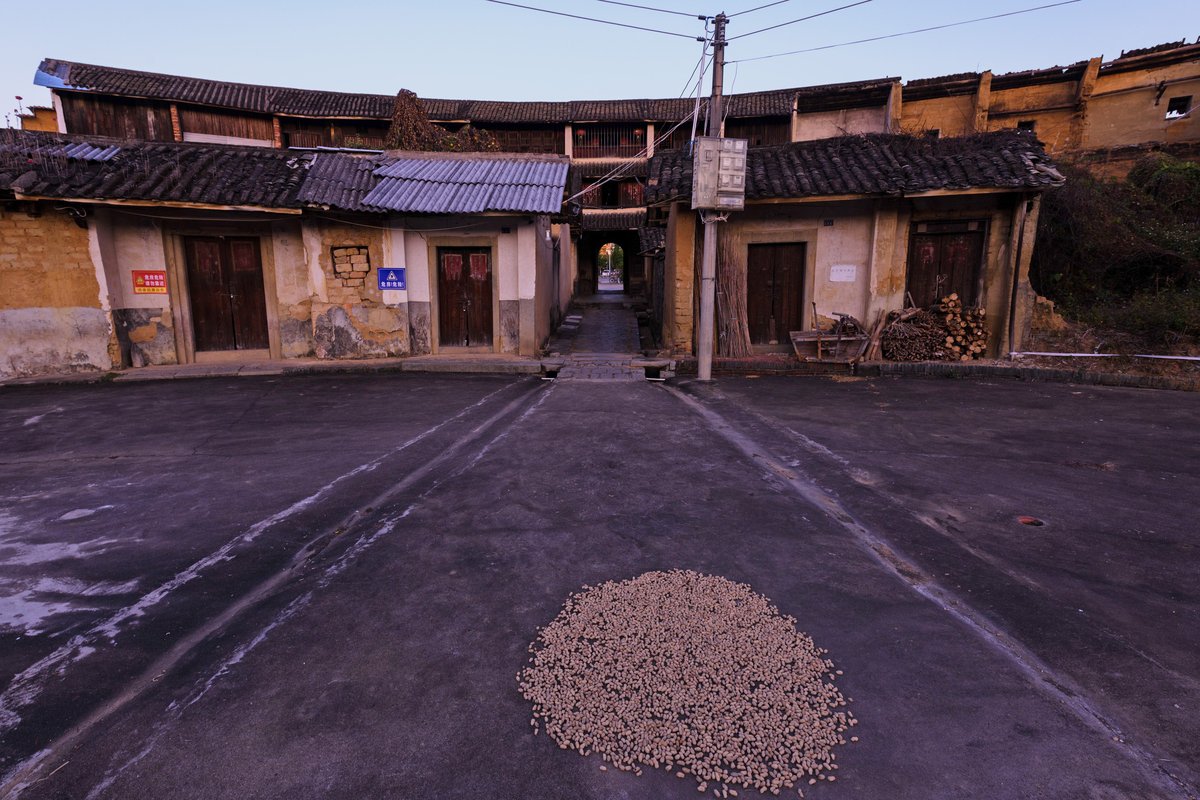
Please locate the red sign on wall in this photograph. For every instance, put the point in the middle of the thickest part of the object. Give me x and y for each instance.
(149, 281)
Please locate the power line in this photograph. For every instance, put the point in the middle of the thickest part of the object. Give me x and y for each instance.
(594, 19)
(699, 64)
(660, 10)
(907, 33)
(759, 8)
(802, 19)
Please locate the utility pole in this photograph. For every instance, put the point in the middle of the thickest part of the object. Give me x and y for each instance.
(708, 266)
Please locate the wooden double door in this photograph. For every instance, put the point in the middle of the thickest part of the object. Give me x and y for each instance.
(775, 291)
(464, 296)
(945, 258)
(228, 300)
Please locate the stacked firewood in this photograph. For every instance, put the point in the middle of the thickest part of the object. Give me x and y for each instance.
(914, 334)
(966, 329)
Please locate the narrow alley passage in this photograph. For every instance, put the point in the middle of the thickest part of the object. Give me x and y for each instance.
(599, 340)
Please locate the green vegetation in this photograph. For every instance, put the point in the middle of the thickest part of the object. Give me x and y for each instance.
(1125, 255)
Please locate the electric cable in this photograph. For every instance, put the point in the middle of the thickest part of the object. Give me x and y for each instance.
(595, 19)
(660, 10)
(758, 8)
(907, 33)
(801, 19)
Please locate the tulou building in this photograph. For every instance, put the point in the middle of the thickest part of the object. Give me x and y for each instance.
(155, 219)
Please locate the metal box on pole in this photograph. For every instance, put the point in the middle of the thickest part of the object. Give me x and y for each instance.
(719, 173)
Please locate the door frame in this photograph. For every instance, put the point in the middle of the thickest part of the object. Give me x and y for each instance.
(432, 243)
(984, 220)
(180, 295)
(806, 236)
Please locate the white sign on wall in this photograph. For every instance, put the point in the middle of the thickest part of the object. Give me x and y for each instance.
(843, 273)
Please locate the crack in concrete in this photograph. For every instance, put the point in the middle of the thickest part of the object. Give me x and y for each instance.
(1057, 687)
(25, 687)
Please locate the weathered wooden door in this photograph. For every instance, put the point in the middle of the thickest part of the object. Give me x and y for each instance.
(228, 300)
(945, 258)
(774, 291)
(465, 296)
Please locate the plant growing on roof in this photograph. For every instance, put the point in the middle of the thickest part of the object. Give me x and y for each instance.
(411, 130)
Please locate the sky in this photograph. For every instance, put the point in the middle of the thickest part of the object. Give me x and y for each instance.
(474, 49)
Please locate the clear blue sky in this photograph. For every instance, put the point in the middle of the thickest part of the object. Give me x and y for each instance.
(478, 50)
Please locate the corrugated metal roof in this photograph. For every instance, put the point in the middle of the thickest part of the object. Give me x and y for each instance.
(469, 184)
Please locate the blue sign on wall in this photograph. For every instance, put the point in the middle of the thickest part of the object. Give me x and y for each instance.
(392, 279)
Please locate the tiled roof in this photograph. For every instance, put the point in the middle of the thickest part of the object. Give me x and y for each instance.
(600, 167)
(651, 239)
(468, 183)
(834, 96)
(97, 169)
(877, 164)
(58, 74)
(612, 219)
(90, 168)
(943, 86)
(339, 180)
(1158, 48)
(1032, 77)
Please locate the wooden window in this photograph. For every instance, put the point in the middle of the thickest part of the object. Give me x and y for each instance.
(759, 131)
(529, 140)
(206, 124)
(117, 117)
(1179, 107)
(609, 141)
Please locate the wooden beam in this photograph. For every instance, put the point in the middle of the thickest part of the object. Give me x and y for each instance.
(841, 198)
(158, 204)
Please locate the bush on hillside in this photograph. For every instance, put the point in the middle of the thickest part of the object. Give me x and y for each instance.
(1125, 253)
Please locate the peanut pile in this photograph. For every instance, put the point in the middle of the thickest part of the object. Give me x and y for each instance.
(690, 673)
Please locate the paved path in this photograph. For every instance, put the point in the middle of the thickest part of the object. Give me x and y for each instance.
(599, 342)
(323, 586)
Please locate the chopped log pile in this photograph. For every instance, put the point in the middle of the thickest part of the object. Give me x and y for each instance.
(966, 331)
(945, 331)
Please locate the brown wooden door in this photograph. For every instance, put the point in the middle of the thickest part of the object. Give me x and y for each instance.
(774, 291)
(225, 281)
(944, 259)
(465, 296)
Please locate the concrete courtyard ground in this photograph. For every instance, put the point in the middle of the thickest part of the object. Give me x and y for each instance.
(323, 587)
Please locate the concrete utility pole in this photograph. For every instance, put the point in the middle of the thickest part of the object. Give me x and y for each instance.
(708, 266)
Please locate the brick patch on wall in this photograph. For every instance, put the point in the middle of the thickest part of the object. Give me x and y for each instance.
(351, 265)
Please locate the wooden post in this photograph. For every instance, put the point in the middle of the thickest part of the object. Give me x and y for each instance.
(176, 126)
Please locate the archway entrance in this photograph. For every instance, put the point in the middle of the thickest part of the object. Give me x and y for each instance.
(611, 263)
(605, 255)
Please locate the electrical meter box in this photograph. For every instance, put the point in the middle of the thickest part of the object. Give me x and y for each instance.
(719, 173)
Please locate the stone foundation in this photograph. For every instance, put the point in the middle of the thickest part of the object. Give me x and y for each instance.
(145, 335)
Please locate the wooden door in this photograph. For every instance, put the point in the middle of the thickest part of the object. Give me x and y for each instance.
(945, 258)
(774, 291)
(465, 296)
(228, 300)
